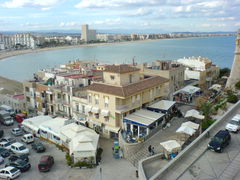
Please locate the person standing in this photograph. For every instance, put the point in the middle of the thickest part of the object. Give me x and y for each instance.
(150, 149)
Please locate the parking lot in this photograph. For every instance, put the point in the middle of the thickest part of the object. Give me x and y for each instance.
(110, 167)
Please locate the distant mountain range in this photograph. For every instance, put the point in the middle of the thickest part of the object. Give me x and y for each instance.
(110, 31)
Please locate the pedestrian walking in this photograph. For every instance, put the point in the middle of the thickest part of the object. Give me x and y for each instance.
(150, 149)
(153, 151)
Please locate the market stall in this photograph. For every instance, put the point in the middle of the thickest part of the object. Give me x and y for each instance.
(170, 148)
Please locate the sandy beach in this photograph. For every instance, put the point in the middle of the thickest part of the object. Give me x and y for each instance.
(6, 54)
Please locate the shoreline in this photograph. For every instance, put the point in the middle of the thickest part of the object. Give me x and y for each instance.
(8, 54)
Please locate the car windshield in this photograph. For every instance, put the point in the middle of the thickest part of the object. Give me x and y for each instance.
(7, 144)
(22, 147)
(13, 170)
(217, 139)
(233, 122)
(21, 162)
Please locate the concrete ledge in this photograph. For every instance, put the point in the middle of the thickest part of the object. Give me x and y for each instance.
(186, 153)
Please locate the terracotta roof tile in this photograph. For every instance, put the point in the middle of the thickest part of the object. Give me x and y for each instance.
(127, 90)
(123, 68)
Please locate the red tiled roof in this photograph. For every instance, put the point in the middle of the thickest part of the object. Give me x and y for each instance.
(19, 96)
(123, 68)
(130, 89)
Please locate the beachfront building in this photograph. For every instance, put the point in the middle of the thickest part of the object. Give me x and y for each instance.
(123, 91)
(200, 69)
(88, 34)
(168, 69)
(25, 40)
(106, 37)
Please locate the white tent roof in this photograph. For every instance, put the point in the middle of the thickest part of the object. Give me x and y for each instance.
(71, 130)
(139, 119)
(188, 89)
(163, 104)
(171, 145)
(194, 113)
(85, 141)
(191, 125)
(186, 130)
(236, 117)
(216, 87)
(35, 122)
(54, 125)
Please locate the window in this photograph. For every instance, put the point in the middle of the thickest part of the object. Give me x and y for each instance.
(106, 118)
(106, 101)
(83, 109)
(97, 116)
(90, 98)
(130, 78)
(77, 108)
(96, 99)
(133, 99)
(112, 77)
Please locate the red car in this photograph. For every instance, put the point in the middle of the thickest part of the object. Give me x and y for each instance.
(45, 163)
(20, 117)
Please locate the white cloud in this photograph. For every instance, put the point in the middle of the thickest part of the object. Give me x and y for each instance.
(42, 4)
(222, 18)
(70, 24)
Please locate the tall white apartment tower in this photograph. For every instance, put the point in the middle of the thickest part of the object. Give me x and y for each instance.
(235, 71)
(85, 33)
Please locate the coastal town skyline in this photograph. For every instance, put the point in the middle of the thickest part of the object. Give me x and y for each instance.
(148, 17)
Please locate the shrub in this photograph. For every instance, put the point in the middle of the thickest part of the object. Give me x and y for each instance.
(206, 123)
(98, 156)
(84, 164)
(237, 85)
(69, 159)
(232, 98)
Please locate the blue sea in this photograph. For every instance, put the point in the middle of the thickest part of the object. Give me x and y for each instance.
(219, 49)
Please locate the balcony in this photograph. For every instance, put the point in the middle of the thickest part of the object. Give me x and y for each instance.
(127, 107)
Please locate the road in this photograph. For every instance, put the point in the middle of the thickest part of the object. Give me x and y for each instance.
(219, 166)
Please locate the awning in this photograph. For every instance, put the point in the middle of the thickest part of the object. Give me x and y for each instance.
(171, 146)
(191, 125)
(186, 130)
(188, 89)
(162, 105)
(88, 108)
(138, 120)
(194, 113)
(236, 117)
(95, 110)
(96, 123)
(112, 129)
(105, 112)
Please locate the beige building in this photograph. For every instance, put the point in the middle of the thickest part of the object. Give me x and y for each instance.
(123, 90)
(167, 69)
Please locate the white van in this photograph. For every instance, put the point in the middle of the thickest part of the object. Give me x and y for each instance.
(28, 138)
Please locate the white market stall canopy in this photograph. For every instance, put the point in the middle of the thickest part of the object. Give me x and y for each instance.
(163, 105)
(188, 89)
(54, 126)
(194, 113)
(191, 125)
(33, 124)
(186, 130)
(216, 87)
(171, 146)
(236, 117)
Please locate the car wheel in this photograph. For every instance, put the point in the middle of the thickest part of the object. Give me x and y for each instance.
(221, 150)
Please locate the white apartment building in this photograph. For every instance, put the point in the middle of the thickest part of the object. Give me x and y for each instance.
(105, 37)
(25, 39)
(88, 34)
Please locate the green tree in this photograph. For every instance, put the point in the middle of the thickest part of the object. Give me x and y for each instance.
(237, 85)
(224, 72)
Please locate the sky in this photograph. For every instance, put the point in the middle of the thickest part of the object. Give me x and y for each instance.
(140, 15)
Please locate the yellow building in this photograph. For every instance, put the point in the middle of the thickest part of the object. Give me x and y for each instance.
(123, 90)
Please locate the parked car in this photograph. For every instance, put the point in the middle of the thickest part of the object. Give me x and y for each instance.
(19, 148)
(5, 145)
(4, 152)
(22, 165)
(20, 156)
(234, 124)
(9, 172)
(20, 117)
(27, 138)
(45, 163)
(1, 160)
(17, 131)
(1, 133)
(8, 139)
(220, 141)
(5, 118)
(8, 109)
(38, 147)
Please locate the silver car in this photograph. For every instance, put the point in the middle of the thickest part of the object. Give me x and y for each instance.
(17, 131)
